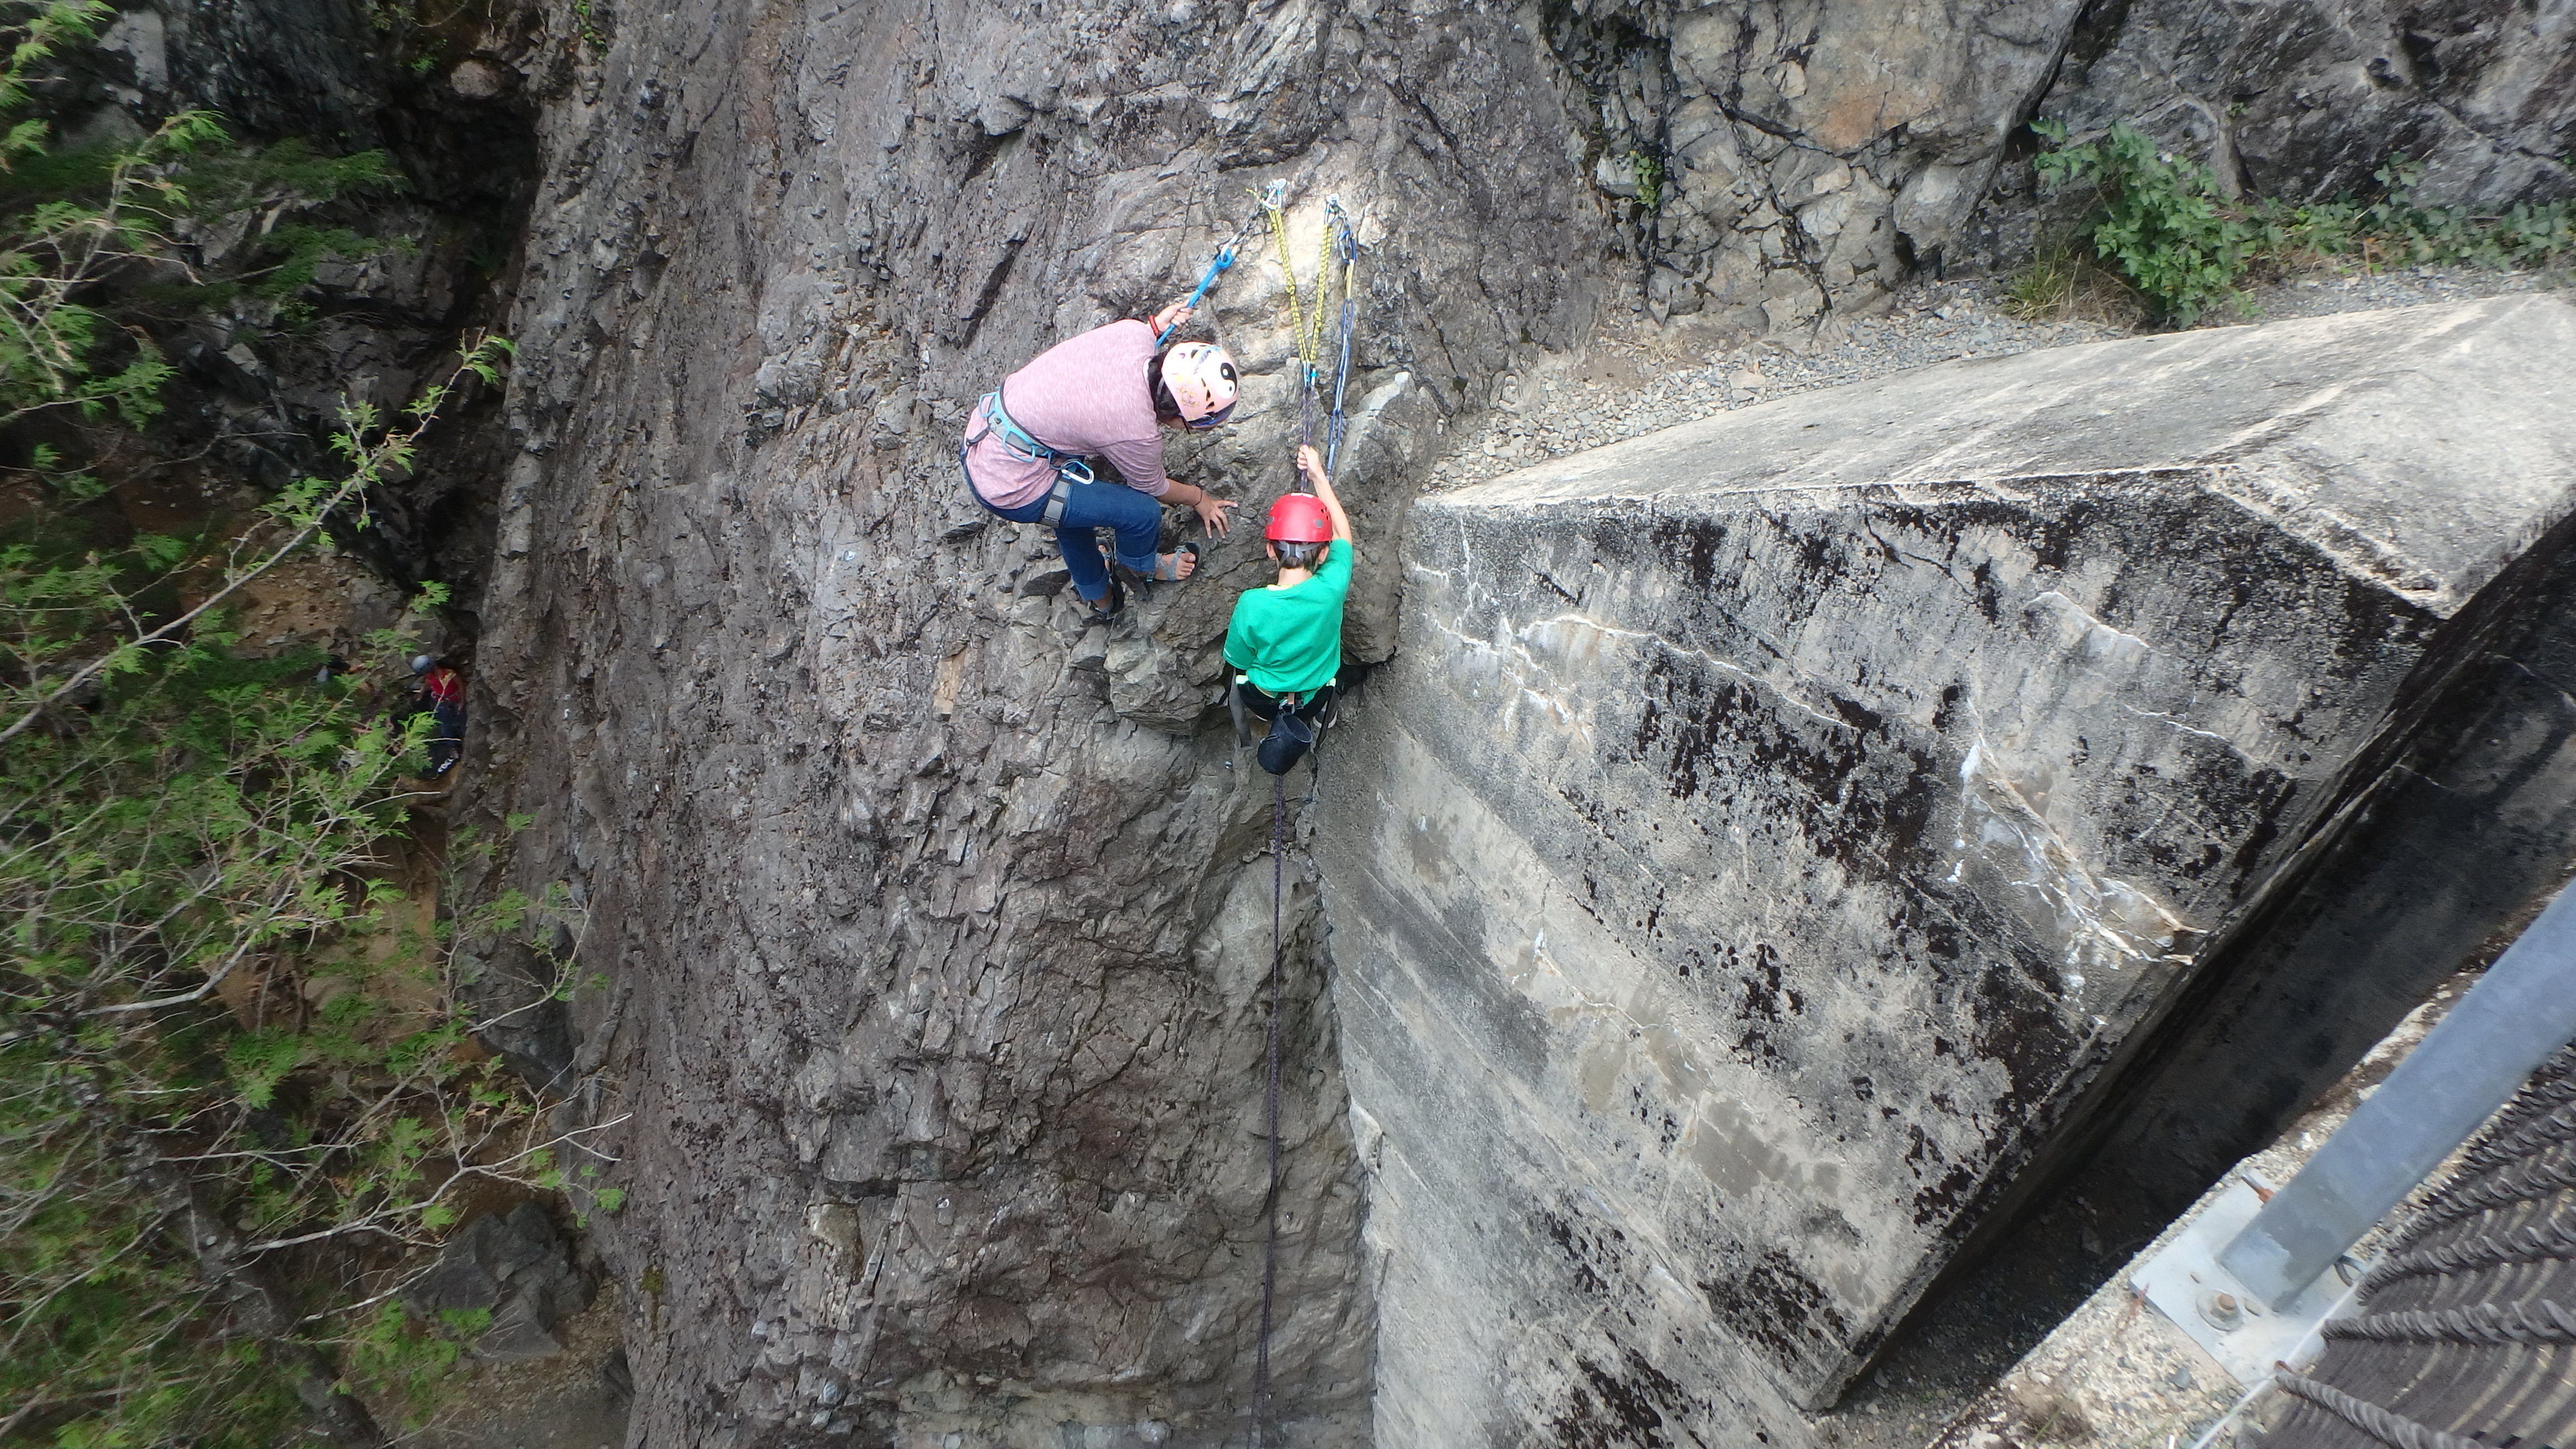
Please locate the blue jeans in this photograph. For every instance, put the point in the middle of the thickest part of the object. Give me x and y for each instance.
(1135, 518)
(446, 736)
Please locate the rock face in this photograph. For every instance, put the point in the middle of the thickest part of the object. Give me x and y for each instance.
(2304, 101)
(934, 920)
(1774, 835)
(1784, 160)
(2466, 830)
(514, 1266)
(258, 394)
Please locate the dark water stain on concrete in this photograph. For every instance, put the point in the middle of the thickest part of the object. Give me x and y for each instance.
(1633, 1403)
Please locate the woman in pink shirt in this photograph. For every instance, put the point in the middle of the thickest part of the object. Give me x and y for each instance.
(1102, 395)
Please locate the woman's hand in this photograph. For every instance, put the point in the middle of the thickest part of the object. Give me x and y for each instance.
(1171, 316)
(1211, 511)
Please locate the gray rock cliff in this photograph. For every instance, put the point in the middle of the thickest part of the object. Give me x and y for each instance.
(931, 919)
(934, 933)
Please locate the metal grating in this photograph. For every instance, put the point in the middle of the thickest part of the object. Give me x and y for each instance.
(2465, 1335)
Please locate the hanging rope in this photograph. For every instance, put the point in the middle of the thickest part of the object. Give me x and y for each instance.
(1338, 243)
(1270, 1201)
(1225, 253)
(1344, 236)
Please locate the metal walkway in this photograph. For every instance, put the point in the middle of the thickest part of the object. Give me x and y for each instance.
(2466, 1334)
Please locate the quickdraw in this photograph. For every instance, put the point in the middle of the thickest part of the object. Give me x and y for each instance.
(1339, 243)
(1346, 243)
(1224, 259)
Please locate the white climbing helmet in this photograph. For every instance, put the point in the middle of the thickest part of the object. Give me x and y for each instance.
(420, 663)
(1198, 380)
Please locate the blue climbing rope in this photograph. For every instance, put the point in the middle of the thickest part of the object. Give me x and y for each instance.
(1270, 1201)
(1224, 258)
(1346, 245)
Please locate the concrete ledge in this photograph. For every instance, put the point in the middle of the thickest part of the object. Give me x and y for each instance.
(1771, 829)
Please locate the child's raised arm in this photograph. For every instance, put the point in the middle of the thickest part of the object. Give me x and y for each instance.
(1313, 464)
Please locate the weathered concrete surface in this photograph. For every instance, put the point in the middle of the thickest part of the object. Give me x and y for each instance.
(2468, 829)
(1769, 829)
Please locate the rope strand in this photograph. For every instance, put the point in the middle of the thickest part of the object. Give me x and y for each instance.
(1270, 1200)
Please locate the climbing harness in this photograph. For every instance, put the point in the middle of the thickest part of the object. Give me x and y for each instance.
(1070, 468)
(1289, 736)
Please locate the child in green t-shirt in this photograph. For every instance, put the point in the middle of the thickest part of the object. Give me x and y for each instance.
(1285, 643)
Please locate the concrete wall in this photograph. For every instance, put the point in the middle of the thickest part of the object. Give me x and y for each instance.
(1771, 830)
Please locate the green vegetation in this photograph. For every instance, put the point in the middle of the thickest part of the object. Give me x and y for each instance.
(236, 1095)
(1648, 168)
(2159, 229)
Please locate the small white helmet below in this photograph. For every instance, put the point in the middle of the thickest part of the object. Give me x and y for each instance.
(420, 663)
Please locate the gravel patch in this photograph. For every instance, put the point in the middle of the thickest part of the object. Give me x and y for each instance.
(2316, 293)
(1621, 386)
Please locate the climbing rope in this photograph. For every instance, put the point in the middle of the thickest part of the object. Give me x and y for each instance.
(1337, 244)
(1270, 1201)
(1224, 258)
(1340, 243)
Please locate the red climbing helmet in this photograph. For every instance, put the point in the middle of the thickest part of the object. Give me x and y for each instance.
(1298, 518)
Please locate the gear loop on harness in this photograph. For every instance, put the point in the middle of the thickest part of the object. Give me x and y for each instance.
(1070, 468)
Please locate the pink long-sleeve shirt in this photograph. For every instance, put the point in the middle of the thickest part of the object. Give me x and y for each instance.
(1086, 396)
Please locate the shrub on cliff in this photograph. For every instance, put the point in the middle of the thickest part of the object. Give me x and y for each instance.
(2161, 225)
(234, 1092)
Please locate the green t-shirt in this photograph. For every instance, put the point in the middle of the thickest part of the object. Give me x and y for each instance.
(1290, 640)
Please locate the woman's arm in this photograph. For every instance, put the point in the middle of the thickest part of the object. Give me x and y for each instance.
(1143, 458)
(1210, 508)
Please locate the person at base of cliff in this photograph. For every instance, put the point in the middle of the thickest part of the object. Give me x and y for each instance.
(1103, 394)
(443, 690)
(1285, 640)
